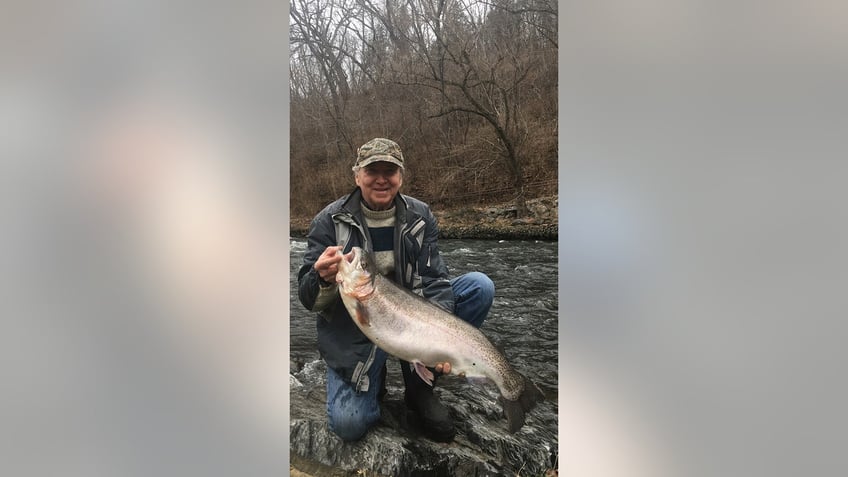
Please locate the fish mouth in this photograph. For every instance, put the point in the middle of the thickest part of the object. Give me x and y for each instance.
(356, 260)
(353, 268)
(353, 276)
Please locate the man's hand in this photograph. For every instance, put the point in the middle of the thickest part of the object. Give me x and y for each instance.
(444, 368)
(327, 264)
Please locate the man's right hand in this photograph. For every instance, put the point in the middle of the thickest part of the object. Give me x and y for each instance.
(327, 264)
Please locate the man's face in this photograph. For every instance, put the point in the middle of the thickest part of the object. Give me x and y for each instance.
(380, 182)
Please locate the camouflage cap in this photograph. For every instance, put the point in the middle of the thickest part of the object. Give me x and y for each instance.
(379, 149)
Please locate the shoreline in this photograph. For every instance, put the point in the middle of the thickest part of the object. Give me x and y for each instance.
(497, 222)
(545, 232)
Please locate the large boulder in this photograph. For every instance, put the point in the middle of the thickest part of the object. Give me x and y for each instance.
(482, 447)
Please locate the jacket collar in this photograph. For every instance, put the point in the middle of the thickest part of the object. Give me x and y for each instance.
(353, 204)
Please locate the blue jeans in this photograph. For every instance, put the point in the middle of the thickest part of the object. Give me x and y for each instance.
(352, 413)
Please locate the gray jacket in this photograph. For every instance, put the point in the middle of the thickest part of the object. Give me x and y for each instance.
(418, 267)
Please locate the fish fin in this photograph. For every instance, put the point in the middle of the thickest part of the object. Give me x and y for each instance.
(362, 315)
(515, 410)
(425, 374)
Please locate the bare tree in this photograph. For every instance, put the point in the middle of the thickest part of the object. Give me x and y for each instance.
(475, 55)
(465, 82)
(317, 38)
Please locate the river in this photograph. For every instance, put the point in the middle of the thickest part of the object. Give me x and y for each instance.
(523, 318)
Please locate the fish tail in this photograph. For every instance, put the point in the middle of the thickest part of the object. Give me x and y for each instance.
(531, 394)
(515, 410)
(514, 414)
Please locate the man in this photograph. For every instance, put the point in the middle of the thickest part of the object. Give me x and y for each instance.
(401, 233)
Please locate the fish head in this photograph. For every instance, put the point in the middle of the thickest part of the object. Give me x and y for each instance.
(354, 277)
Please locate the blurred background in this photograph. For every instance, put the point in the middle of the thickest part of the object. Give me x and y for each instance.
(702, 224)
(144, 199)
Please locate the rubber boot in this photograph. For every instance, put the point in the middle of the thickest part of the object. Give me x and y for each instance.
(420, 398)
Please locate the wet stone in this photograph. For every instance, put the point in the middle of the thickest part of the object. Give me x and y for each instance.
(482, 447)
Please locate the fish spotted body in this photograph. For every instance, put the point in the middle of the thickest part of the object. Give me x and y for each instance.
(409, 327)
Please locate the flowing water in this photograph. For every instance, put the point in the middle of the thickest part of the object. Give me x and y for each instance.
(523, 318)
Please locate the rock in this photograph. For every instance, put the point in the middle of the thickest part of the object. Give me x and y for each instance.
(482, 447)
(490, 231)
(539, 209)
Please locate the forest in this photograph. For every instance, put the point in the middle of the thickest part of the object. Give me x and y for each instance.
(467, 88)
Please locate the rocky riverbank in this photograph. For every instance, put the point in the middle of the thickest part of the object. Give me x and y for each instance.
(497, 222)
(482, 447)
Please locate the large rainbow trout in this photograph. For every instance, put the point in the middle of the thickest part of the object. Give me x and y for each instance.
(411, 328)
